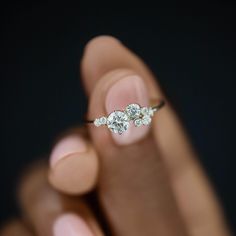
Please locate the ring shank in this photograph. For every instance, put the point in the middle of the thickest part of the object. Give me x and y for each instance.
(159, 106)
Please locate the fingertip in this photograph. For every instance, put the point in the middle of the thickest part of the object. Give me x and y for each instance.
(74, 166)
(98, 54)
(71, 224)
(67, 146)
(101, 41)
(100, 47)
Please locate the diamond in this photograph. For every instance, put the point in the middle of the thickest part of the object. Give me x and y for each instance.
(118, 122)
(103, 120)
(138, 122)
(97, 122)
(145, 111)
(133, 111)
(146, 120)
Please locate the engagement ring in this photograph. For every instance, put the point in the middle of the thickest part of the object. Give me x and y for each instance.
(119, 121)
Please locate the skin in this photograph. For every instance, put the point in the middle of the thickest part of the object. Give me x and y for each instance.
(154, 186)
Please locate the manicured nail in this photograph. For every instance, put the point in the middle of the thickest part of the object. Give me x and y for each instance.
(71, 225)
(69, 145)
(125, 91)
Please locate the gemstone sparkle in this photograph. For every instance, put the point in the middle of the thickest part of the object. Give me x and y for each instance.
(133, 111)
(103, 120)
(146, 120)
(138, 122)
(97, 122)
(118, 122)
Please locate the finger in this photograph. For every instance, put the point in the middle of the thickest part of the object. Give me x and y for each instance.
(133, 186)
(50, 213)
(194, 195)
(15, 228)
(100, 50)
(74, 163)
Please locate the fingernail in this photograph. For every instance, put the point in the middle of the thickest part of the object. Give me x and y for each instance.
(125, 91)
(71, 225)
(69, 145)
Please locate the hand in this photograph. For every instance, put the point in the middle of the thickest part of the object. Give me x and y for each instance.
(145, 182)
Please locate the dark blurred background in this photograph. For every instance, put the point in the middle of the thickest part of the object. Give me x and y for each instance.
(190, 48)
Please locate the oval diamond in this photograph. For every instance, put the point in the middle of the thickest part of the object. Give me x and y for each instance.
(118, 122)
(133, 111)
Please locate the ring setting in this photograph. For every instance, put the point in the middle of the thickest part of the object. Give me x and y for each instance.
(119, 121)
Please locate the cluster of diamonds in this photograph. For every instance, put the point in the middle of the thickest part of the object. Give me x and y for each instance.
(119, 121)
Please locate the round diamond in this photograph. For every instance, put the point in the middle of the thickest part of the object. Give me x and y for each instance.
(103, 120)
(133, 111)
(145, 111)
(146, 120)
(118, 122)
(97, 122)
(138, 122)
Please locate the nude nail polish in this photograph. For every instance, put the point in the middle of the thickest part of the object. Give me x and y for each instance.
(71, 225)
(125, 91)
(68, 145)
